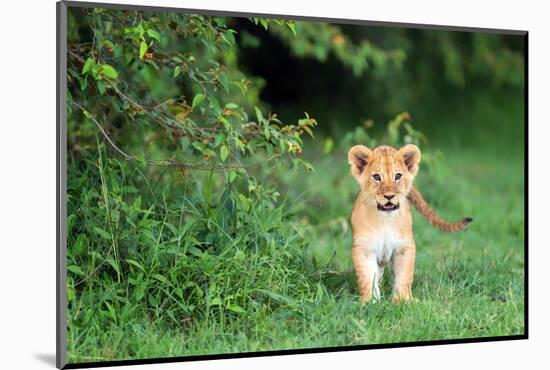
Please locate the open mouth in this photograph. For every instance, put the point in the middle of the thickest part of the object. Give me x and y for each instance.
(388, 207)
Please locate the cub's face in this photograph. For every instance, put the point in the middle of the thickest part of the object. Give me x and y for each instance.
(385, 174)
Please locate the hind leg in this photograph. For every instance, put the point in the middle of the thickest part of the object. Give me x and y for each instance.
(403, 273)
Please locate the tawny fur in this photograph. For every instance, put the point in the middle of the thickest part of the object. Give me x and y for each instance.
(381, 218)
(420, 204)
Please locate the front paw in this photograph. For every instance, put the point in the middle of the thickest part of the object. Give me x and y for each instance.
(366, 299)
(370, 299)
(404, 299)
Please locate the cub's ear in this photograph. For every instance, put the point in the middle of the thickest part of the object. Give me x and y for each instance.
(411, 157)
(358, 157)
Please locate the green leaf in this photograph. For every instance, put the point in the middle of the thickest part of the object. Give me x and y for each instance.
(220, 138)
(113, 264)
(88, 65)
(95, 256)
(161, 278)
(235, 308)
(308, 130)
(259, 115)
(101, 87)
(224, 122)
(232, 175)
(76, 270)
(78, 245)
(136, 264)
(195, 251)
(70, 293)
(152, 300)
(197, 100)
(153, 34)
(224, 152)
(177, 71)
(139, 29)
(184, 143)
(244, 202)
(291, 25)
(215, 104)
(111, 311)
(282, 145)
(109, 72)
(83, 83)
(95, 71)
(231, 106)
(104, 234)
(306, 164)
(142, 49)
(328, 145)
(199, 146)
(109, 44)
(264, 22)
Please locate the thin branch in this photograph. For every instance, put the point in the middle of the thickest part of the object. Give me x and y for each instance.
(142, 108)
(167, 162)
(76, 56)
(92, 118)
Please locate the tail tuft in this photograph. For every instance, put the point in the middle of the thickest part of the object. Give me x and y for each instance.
(467, 220)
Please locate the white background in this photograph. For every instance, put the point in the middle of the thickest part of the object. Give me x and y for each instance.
(27, 182)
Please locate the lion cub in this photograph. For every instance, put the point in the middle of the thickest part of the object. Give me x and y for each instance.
(381, 218)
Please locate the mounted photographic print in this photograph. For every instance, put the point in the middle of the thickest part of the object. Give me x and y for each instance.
(236, 184)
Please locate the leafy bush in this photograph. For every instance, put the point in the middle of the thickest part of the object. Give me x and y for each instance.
(178, 230)
(194, 255)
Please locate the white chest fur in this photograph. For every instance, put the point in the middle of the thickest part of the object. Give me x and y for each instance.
(382, 243)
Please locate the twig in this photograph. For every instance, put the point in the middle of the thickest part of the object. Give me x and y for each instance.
(168, 162)
(92, 118)
(143, 108)
(76, 56)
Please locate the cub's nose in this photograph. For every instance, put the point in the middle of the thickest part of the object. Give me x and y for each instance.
(389, 197)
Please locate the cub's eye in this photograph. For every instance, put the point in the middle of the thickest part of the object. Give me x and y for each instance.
(376, 177)
(397, 176)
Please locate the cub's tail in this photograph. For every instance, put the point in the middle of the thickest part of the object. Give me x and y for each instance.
(420, 204)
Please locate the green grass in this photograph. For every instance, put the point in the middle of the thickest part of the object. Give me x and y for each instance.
(212, 272)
